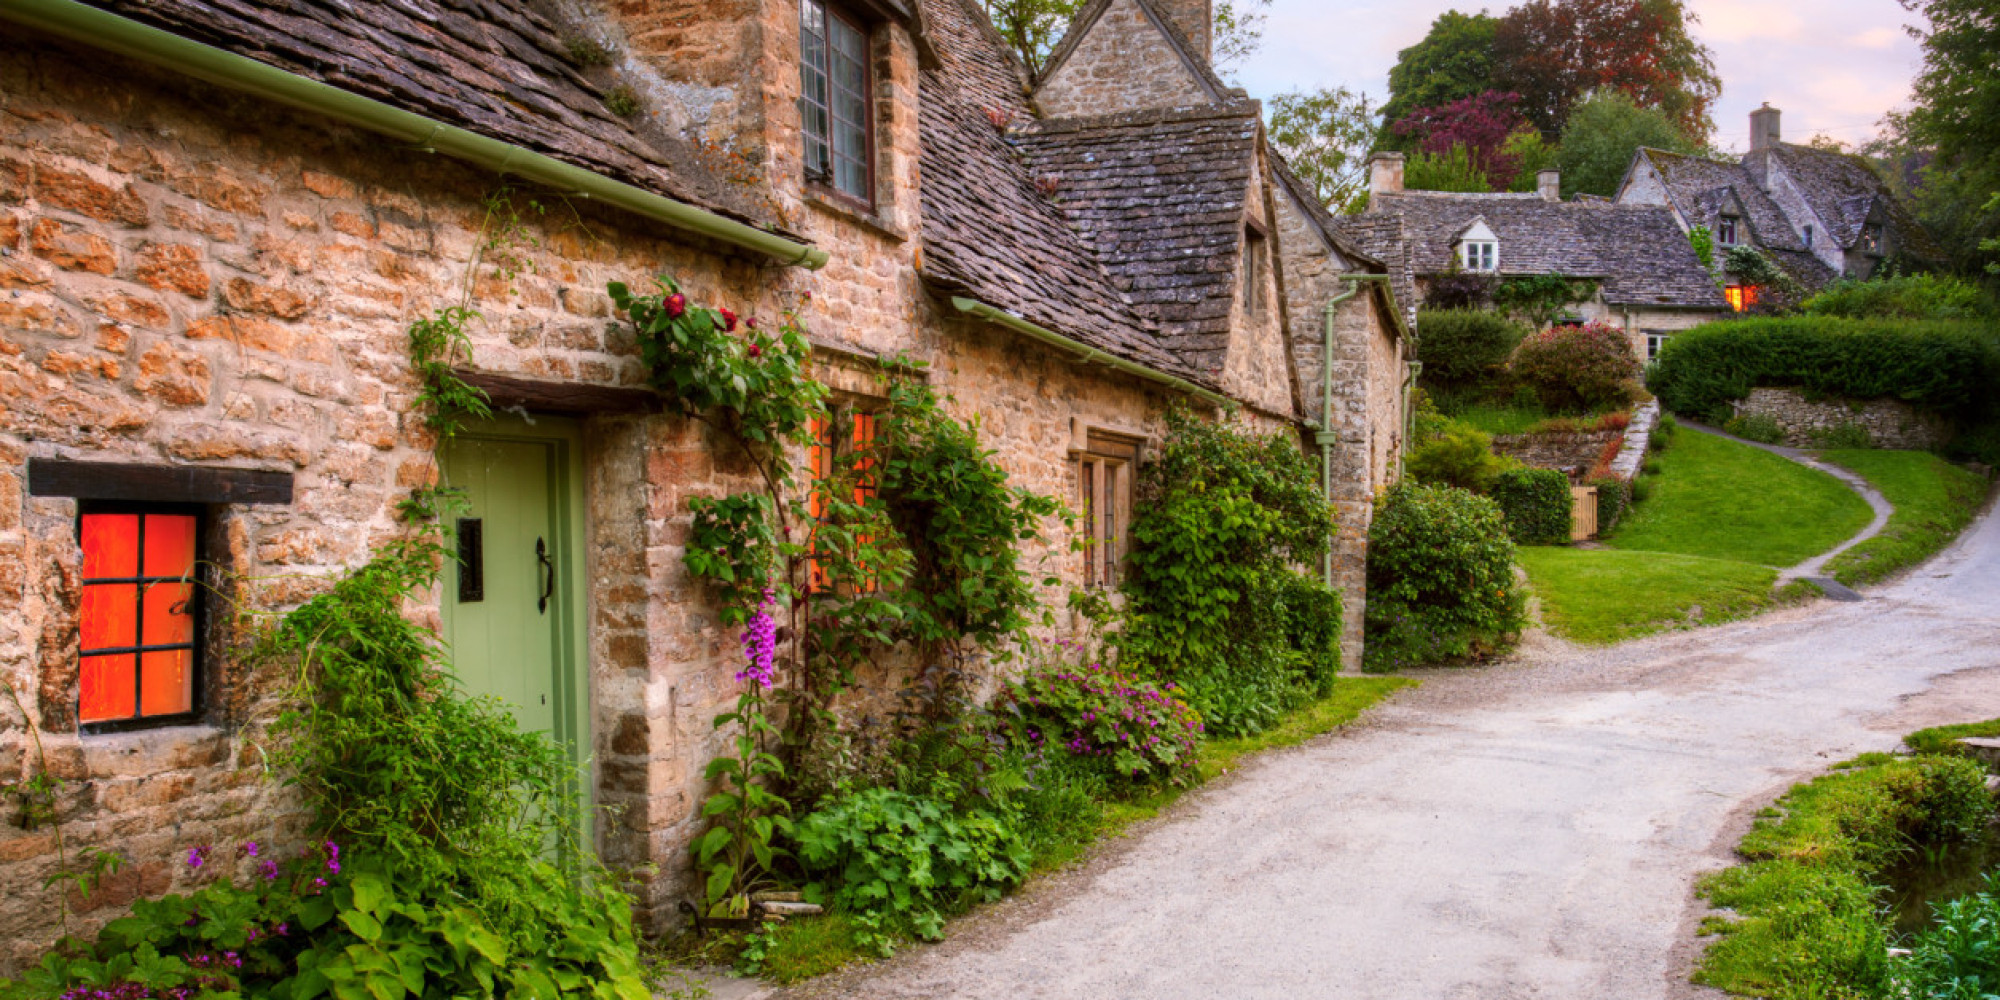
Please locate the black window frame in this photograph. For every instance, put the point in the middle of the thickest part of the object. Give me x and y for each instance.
(198, 611)
(823, 177)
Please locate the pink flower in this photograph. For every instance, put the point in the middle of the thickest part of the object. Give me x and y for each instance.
(250, 849)
(676, 305)
(760, 643)
(728, 320)
(198, 857)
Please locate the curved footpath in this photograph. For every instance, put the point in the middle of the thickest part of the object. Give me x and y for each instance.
(1532, 829)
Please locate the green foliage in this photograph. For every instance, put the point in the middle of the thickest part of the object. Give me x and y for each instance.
(1602, 133)
(1451, 170)
(1777, 289)
(623, 101)
(747, 817)
(1536, 503)
(1807, 919)
(1325, 136)
(1847, 435)
(1953, 116)
(1453, 61)
(1220, 524)
(1312, 613)
(1944, 739)
(1602, 596)
(1614, 498)
(437, 343)
(1534, 154)
(1905, 296)
(898, 863)
(1958, 956)
(1578, 368)
(1440, 578)
(1703, 242)
(1933, 500)
(1942, 367)
(1541, 299)
(1137, 731)
(1759, 427)
(1465, 347)
(1458, 455)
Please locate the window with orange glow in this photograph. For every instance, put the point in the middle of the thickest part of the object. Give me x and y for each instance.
(820, 459)
(1740, 297)
(137, 624)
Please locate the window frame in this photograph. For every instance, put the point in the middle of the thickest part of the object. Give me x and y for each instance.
(1490, 249)
(827, 185)
(1255, 254)
(1741, 296)
(197, 611)
(1726, 231)
(1106, 454)
(864, 426)
(1874, 239)
(1655, 343)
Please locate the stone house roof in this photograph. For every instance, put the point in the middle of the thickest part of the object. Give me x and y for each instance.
(1637, 251)
(499, 68)
(1844, 192)
(1079, 27)
(1701, 189)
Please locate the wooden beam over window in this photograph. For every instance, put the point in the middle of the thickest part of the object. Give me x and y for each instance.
(51, 477)
(551, 396)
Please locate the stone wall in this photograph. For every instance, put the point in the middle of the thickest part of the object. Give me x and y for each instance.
(1122, 65)
(1575, 454)
(1890, 423)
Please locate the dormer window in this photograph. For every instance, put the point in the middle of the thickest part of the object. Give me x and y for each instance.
(834, 101)
(1872, 238)
(1725, 231)
(1479, 249)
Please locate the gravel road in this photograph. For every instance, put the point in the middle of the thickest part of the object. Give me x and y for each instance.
(1532, 829)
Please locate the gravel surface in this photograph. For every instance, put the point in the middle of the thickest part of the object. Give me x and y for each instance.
(1532, 829)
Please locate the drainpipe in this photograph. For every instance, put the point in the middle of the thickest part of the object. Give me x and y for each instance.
(102, 30)
(1327, 437)
(974, 307)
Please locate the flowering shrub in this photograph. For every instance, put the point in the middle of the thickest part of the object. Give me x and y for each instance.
(1140, 731)
(1588, 367)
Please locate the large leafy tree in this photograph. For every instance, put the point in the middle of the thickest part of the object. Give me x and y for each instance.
(1453, 62)
(1556, 52)
(1956, 112)
(1482, 125)
(1603, 132)
(1035, 27)
(1325, 136)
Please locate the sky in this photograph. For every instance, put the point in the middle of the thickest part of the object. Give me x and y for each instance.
(1832, 66)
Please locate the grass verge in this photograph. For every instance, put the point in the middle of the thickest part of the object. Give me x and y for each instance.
(1602, 596)
(1934, 501)
(803, 949)
(1807, 918)
(1939, 739)
(1723, 500)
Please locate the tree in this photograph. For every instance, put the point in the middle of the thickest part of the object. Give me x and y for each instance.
(1451, 170)
(1239, 30)
(1325, 136)
(1482, 125)
(1602, 134)
(1035, 27)
(1555, 52)
(1453, 62)
(1956, 111)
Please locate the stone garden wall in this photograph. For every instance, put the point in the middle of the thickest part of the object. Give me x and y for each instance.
(1890, 423)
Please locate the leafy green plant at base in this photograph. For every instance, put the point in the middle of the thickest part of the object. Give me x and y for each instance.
(1759, 427)
(1537, 504)
(1958, 956)
(1944, 739)
(1934, 501)
(1458, 455)
(1614, 498)
(1138, 731)
(1848, 435)
(1440, 578)
(1807, 922)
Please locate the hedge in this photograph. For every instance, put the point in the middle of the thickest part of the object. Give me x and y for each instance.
(1945, 367)
(1537, 504)
(1461, 346)
(1440, 578)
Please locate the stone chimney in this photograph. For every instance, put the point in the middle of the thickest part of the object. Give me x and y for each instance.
(1195, 19)
(1549, 184)
(1764, 128)
(1385, 174)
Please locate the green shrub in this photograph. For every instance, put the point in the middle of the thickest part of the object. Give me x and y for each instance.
(1460, 347)
(1760, 427)
(1614, 498)
(1440, 578)
(1578, 368)
(1537, 504)
(1942, 367)
(899, 863)
(1313, 615)
(1957, 957)
(1908, 296)
(1460, 456)
(1848, 435)
(1136, 730)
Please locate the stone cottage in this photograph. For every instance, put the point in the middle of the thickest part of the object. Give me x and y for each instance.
(1818, 214)
(217, 223)
(1650, 282)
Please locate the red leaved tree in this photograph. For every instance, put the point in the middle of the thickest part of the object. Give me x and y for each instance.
(1481, 123)
(1554, 52)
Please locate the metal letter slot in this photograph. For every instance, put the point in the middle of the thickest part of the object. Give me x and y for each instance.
(471, 560)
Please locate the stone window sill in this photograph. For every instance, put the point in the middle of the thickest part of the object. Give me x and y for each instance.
(867, 220)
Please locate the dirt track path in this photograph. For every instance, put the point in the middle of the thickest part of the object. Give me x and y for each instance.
(1528, 830)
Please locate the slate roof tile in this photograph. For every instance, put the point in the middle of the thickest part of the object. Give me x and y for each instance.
(1842, 190)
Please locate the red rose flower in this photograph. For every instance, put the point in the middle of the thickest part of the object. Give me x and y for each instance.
(756, 351)
(728, 320)
(751, 322)
(676, 305)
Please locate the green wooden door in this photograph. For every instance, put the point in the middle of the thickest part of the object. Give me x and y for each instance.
(512, 600)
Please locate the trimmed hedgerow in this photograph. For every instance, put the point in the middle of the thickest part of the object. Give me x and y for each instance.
(1537, 505)
(1939, 366)
(1463, 346)
(1614, 498)
(1907, 296)
(1440, 578)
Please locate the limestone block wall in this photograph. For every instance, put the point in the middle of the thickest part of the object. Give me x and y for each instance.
(1890, 423)
(1123, 64)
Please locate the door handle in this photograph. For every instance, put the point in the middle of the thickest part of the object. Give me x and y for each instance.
(548, 574)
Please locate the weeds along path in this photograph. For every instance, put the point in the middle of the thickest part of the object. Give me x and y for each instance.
(1814, 569)
(1532, 829)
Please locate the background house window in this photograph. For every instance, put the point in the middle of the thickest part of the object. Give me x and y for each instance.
(834, 100)
(1872, 238)
(821, 462)
(1725, 231)
(1479, 255)
(1655, 341)
(1104, 495)
(1741, 297)
(1809, 235)
(139, 619)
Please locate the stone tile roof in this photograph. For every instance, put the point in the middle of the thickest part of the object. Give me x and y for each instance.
(1638, 251)
(1081, 23)
(1159, 197)
(1842, 190)
(495, 67)
(988, 232)
(1696, 185)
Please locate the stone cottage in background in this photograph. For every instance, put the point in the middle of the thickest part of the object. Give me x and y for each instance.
(1650, 282)
(1818, 214)
(217, 223)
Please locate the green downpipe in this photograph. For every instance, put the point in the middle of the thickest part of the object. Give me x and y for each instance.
(110, 32)
(974, 307)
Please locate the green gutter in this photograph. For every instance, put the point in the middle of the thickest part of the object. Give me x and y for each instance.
(112, 33)
(974, 307)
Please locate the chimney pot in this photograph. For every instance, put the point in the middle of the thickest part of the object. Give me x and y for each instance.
(1548, 184)
(1385, 174)
(1764, 133)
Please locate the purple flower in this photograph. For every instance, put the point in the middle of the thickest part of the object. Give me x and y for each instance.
(198, 857)
(332, 849)
(249, 848)
(760, 644)
(319, 883)
(270, 870)
(284, 929)
(333, 867)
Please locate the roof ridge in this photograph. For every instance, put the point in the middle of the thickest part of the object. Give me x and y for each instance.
(1145, 116)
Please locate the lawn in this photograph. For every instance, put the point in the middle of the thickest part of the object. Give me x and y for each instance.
(1602, 596)
(1501, 419)
(1934, 501)
(1723, 500)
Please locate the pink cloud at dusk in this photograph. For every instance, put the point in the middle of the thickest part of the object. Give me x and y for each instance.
(1833, 66)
